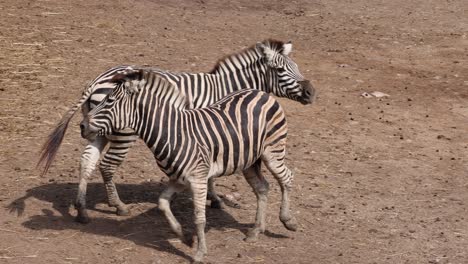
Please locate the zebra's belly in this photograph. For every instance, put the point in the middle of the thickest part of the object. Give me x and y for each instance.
(218, 169)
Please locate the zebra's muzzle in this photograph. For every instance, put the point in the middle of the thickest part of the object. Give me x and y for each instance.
(87, 131)
(308, 93)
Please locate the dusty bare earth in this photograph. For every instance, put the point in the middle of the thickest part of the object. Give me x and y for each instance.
(377, 180)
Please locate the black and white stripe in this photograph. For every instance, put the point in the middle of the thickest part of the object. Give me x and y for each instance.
(192, 146)
(265, 66)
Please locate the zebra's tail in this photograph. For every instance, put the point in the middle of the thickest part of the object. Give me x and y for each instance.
(52, 145)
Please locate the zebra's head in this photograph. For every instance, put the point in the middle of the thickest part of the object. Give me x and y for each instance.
(111, 115)
(290, 82)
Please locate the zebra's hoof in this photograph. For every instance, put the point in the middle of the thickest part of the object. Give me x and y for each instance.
(82, 219)
(217, 204)
(231, 203)
(251, 239)
(123, 211)
(198, 258)
(187, 240)
(252, 235)
(195, 261)
(290, 224)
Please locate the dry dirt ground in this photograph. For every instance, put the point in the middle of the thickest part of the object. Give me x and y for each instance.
(377, 180)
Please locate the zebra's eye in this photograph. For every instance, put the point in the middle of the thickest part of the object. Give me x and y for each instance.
(111, 98)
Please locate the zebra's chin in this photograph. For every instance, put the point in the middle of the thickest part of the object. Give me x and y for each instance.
(88, 131)
(91, 136)
(308, 93)
(304, 101)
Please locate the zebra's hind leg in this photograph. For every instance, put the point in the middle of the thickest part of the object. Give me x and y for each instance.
(164, 205)
(260, 186)
(274, 160)
(120, 143)
(88, 162)
(216, 201)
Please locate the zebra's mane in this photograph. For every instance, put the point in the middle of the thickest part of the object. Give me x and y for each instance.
(275, 45)
(135, 79)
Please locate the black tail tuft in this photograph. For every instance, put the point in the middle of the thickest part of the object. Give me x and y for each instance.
(51, 146)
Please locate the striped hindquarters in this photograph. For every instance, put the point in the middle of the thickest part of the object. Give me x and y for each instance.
(237, 129)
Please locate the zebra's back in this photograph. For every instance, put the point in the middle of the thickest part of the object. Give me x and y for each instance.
(231, 134)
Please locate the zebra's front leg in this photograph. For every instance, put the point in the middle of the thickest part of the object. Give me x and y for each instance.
(114, 156)
(199, 186)
(88, 162)
(164, 205)
(260, 186)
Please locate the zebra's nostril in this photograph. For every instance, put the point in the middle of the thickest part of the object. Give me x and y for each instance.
(82, 127)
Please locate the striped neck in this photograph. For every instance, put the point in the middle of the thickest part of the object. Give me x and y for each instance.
(247, 69)
(162, 134)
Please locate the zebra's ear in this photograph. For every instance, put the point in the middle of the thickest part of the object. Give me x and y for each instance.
(132, 79)
(118, 77)
(123, 75)
(133, 86)
(267, 52)
(287, 48)
(135, 81)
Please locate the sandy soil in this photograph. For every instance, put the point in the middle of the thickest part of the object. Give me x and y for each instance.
(377, 180)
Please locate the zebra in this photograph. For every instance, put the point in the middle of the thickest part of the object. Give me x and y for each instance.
(265, 66)
(192, 146)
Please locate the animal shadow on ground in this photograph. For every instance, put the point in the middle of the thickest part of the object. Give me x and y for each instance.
(135, 228)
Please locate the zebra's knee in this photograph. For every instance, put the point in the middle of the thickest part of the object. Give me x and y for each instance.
(199, 212)
(287, 180)
(107, 170)
(263, 187)
(200, 220)
(87, 164)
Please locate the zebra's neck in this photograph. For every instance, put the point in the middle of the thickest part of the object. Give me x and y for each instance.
(163, 134)
(246, 70)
